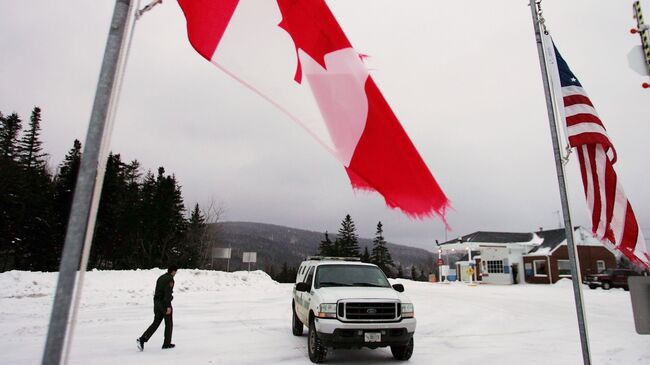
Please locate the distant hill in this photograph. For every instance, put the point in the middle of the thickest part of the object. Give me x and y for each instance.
(276, 245)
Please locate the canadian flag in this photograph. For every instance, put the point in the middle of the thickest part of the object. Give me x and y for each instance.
(294, 54)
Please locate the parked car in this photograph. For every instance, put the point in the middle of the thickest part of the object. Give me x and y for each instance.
(349, 304)
(610, 278)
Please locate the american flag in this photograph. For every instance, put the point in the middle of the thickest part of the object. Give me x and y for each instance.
(613, 219)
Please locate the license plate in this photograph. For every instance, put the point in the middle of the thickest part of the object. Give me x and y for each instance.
(372, 337)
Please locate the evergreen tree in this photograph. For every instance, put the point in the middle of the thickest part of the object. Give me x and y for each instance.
(11, 191)
(270, 270)
(366, 255)
(107, 229)
(283, 275)
(64, 184)
(41, 251)
(141, 222)
(29, 147)
(326, 247)
(180, 252)
(197, 219)
(147, 219)
(293, 272)
(424, 276)
(414, 273)
(400, 271)
(380, 253)
(347, 240)
(170, 222)
(194, 241)
(63, 189)
(35, 249)
(129, 216)
(10, 127)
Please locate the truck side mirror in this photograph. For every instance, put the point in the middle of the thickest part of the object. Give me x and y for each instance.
(304, 287)
(398, 287)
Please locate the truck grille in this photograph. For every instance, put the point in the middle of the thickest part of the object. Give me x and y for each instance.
(368, 311)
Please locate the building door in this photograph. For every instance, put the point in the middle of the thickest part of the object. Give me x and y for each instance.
(515, 273)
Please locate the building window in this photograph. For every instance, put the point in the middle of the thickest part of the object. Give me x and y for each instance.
(495, 267)
(540, 268)
(564, 268)
(600, 266)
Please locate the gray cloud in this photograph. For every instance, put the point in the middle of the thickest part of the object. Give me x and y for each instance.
(463, 77)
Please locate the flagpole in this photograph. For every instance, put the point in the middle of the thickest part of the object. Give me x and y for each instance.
(88, 187)
(559, 165)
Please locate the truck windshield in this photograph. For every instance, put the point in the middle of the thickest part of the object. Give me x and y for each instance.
(350, 275)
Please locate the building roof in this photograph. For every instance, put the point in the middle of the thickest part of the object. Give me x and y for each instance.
(493, 237)
(543, 242)
(551, 239)
(555, 238)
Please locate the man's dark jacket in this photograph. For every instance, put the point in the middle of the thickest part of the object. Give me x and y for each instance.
(162, 298)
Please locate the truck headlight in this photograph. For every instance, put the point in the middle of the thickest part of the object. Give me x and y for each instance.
(327, 310)
(407, 310)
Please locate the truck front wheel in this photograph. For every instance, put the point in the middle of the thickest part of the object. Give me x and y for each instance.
(317, 351)
(403, 352)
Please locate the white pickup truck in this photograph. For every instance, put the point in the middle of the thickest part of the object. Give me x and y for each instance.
(349, 304)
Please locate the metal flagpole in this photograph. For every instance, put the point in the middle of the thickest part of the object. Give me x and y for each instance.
(88, 188)
(559, 165)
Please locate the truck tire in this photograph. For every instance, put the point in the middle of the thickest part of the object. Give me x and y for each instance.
(403, 352)
(317, 351)
(606, 285)
(296, 325)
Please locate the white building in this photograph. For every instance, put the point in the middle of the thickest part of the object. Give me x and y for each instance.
(496, 255)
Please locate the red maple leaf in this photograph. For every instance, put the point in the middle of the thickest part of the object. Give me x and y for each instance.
(313, 28)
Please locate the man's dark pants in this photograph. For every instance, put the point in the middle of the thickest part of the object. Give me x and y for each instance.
(159, 314)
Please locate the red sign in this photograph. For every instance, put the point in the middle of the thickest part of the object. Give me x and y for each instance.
(440, 262)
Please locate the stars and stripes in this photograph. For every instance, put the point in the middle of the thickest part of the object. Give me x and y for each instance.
(613, 219)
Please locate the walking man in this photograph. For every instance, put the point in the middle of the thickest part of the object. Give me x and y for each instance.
(162, 309)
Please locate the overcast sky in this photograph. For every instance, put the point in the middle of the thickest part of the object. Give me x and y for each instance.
(462, 76)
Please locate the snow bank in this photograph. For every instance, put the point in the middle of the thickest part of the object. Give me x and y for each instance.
(21, 284)
(135, 283)
(245, 318)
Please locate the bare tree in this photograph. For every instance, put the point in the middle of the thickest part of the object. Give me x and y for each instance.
(209, 236)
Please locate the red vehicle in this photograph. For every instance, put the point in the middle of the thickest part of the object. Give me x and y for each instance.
(610, 278)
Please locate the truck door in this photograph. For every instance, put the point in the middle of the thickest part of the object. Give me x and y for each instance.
(619, 278)
(305, 297)
(297, 296)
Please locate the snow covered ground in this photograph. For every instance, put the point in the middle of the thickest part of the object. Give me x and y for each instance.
(244, 318)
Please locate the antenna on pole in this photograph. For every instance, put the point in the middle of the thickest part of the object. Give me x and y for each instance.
(147, 8)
